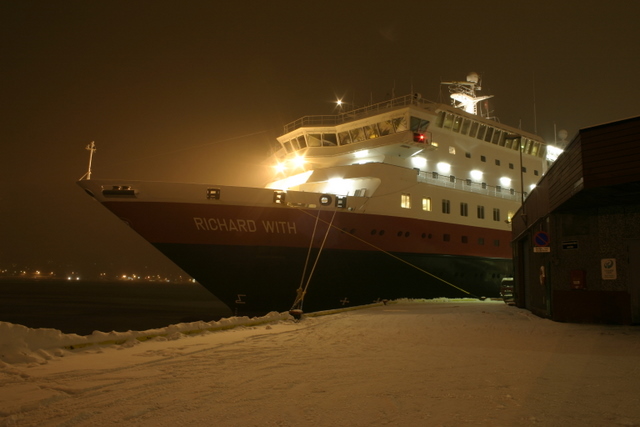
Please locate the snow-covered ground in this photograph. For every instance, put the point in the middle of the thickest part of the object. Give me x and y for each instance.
(414, 363)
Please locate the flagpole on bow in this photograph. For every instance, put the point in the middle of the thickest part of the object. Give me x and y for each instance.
(92, 148)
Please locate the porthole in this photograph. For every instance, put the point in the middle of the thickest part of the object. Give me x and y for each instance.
(325, 200)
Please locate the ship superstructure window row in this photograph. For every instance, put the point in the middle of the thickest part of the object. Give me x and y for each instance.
(405, 203)
(498, 163)
(490, 134)
(356, 134)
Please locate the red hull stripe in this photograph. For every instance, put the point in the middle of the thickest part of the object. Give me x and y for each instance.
(184, 223)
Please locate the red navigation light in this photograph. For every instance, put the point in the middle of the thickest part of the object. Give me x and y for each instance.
(418, 137)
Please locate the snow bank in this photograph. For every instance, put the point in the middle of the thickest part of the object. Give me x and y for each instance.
(19, 344)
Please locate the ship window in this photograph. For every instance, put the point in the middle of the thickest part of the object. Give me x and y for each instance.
(481, 131)
(483, 158)
(446, 237)
(535, 172)
(467, 155)
(465, 126)
(294, 144)
(510, 165)
(400, 124)
(287, 146)
(465, 239)
(481, 240)
(213, 193)
(405, 201)
(474, 129)
(434, 175)
(385, 127)
(426, 204)
(497, 162)
(448, 121)
(480, 212)
(542, 151)
(357, 135)
(419, 125)
(501, 139)
(489, 134)
(345, 138)
(496, 243)
(530, 145)
(371, 131)
(314, 139)
(452, 150)
(534, 148)
(278, 197)
(301, 142)
(524, 169)
(464, 209)
(512, 141)
(446, 206)
(496, 214)
(329, 139)
(496, 136)
(440, 119)
(457, 122)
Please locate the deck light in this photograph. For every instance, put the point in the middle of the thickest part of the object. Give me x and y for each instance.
(443, 167)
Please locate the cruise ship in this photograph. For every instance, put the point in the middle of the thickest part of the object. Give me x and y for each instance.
(404, 198)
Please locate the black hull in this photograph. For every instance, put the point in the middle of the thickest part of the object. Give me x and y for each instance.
(257, 280)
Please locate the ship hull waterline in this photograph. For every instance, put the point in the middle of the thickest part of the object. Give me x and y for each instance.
(256, 280)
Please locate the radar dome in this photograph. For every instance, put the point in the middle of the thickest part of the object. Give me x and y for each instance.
(473, 77)
(562, 134)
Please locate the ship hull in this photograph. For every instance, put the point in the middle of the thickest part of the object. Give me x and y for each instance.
(256, 280)
(254, 254)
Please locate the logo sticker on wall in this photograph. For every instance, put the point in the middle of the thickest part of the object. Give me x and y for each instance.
(608, 269)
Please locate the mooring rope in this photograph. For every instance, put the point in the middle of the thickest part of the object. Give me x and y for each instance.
(302, 292)
(396, 257)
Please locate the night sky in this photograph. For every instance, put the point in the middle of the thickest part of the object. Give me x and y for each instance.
(197, 91)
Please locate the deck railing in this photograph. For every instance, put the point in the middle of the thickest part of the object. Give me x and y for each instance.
(450, 181)
(358, 113)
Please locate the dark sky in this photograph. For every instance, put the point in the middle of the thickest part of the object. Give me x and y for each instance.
(197, 91)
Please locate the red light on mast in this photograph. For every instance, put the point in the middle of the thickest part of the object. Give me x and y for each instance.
(418, 137)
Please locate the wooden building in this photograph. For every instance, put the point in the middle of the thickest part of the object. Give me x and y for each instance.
(576, 238)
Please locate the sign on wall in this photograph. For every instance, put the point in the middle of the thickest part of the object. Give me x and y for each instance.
(608, 269)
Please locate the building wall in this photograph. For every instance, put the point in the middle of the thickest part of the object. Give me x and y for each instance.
(588, 204)
(583, 240)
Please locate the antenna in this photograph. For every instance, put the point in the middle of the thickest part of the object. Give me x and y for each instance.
(92, 148)
(535, 117)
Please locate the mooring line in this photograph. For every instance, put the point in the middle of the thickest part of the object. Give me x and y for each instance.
(297, 304)
(392, 255)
